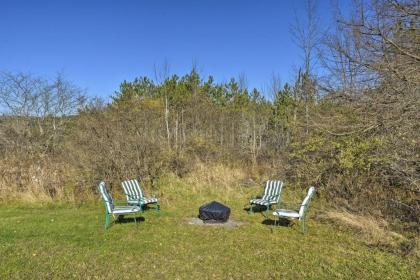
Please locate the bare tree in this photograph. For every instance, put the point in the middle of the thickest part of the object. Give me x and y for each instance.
(242, 81)
(28, 100)
(161, 73)
(380, 39)
(343, 74)
(27, 96)
(274, 85)
(306, 34)
(19, 93)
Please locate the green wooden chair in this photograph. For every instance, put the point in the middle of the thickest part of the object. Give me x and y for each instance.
(134, 195)
(115, 211)
(271, 196)
(299, 213)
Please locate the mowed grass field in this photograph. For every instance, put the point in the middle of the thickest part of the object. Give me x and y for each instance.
(67, 241)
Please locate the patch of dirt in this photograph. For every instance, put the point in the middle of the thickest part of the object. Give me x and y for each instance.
(198, 222)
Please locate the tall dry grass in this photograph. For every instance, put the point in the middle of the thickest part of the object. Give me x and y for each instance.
(29, 181)
(373, 231)
(216, 176)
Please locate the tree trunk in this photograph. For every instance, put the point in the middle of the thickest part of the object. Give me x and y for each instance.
(168, 133)
(176, 131)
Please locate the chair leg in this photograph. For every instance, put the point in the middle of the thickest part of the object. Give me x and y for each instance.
(290, 222)
(250, 209)
(273, 226)
(303, 226)
(266, 211)
(157, 207)
(106, 220)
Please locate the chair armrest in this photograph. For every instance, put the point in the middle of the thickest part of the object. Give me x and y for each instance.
(120, 202)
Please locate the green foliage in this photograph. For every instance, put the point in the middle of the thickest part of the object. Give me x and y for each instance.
(283, 105)
(347, 152)
(315, 143)
(180, 90)
(140, 88)
(356, 153)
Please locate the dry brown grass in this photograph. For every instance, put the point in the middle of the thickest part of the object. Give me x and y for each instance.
(216, 180)
(375, 228)
(38, 182)
(373, 231)
(218, 176)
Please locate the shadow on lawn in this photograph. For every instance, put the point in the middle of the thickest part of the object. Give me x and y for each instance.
(125, 220)
(255, 209)
(280, 223)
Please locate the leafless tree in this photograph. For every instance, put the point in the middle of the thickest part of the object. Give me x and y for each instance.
(377, 42)
(306, 34)
(242, 81)
(28, 100)
(274, 85)
(161, 73)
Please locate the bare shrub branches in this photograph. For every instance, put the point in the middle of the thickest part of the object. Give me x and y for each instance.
(24, 95)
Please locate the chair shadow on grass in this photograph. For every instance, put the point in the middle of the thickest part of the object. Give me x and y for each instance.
(282, 222)
(125, 220)
(149, 208)
(255, 208)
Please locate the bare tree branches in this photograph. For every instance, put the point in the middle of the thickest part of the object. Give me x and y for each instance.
(306, 34)
(379, 44)
(23, 95)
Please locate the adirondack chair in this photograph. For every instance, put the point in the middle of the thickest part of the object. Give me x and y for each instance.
(134, 195)
(271, 196)
(299, 213)
(112, 210)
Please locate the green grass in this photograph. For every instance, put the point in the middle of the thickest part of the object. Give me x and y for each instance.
(69, 242)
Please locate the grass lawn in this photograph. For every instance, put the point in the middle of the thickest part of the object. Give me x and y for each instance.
(59, 241)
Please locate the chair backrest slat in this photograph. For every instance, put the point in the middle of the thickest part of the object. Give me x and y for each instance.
(109, 204)
(137, 188)
(306, 201)
(272, 190)
(132, 189)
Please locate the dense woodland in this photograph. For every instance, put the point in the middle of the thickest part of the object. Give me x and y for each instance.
(349, 126)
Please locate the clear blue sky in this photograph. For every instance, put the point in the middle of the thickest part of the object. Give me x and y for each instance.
(98, 44)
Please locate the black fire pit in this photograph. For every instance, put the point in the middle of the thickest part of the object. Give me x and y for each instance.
(214, 212)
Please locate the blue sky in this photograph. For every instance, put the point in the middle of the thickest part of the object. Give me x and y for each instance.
(98, 44)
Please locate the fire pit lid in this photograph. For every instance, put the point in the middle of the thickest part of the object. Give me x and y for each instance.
(214, 212)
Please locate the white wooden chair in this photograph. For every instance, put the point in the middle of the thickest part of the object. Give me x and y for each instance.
(271, 196)
(134, 195)
(299, 212)
(112, 210)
